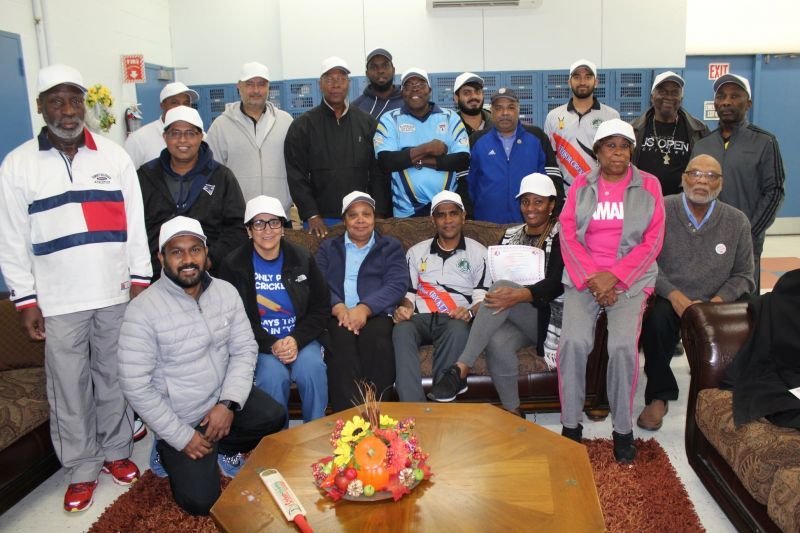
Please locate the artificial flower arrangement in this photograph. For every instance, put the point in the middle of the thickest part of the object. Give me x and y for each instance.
(375, 457)
(99, 101)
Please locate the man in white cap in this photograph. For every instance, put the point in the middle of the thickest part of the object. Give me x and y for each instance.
(147, 142)
(248, 138)
(448, 281)
(329, 153)
(186, 180)
(381, 95)
(186, 360)
(571, 127)
(751, 161)
(468, 97)
(73, 250)
(666, 133)
(422, 145)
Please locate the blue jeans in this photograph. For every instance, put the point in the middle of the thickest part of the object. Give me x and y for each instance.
(308, 371)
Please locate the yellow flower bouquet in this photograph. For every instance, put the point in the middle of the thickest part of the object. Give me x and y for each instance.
(99, 102)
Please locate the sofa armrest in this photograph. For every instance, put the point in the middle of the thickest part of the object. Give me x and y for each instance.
(16, 350)
(712, 335)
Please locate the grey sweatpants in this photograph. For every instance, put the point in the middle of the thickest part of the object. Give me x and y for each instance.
(90, 421)
(501, 335)
(448, 336)
(577, 340)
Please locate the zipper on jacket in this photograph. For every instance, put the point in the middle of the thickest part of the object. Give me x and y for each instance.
(67, 163)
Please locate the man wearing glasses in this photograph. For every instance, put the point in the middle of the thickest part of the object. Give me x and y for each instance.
(751, 161)
(186, 180)
(666, 133)
(328, 152)
(422, 145)
(707, 257)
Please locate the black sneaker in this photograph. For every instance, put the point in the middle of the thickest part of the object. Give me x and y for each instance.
(624, 449)
(450, 385)
(575, 434)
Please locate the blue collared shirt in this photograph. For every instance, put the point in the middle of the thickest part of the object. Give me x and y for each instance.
(692, 219)
(354, 256)
(508, 142)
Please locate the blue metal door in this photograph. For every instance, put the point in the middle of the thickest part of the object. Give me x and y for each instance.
(149, 93)
(14, 106)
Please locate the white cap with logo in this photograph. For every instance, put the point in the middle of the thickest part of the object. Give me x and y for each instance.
(583, 63)
(736, 80)
(415, 72)
(184, 113)
(263, 204)
(54, 75)
(176, 87)
(612, 127)
(465, 78)
(536, 183)
(177, 227)
(667, 76)
(254, 70)
(332, 63)
(356, 196)
(446, 197)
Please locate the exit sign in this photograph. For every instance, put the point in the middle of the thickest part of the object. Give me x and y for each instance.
(717, 70)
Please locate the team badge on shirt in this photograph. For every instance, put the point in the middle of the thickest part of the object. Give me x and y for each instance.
(442, 127)
(561, 123)
(209, 188)
(463, 265)
(423, 265)
(406, 128)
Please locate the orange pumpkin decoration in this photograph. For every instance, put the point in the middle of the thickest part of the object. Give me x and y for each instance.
(369, 454)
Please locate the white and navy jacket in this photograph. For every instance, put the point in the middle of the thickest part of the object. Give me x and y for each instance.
(72, 234)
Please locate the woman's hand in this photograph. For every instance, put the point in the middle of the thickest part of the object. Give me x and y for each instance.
(505, 297)
(601, 282)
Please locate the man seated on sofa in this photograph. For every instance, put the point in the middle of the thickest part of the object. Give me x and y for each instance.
(707, 256)
(448, 281)
(186, 360)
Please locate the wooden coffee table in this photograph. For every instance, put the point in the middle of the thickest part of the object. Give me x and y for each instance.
(492, 471)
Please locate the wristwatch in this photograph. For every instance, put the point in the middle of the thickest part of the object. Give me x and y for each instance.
(233, 406)
(471, 314)
(418, 164)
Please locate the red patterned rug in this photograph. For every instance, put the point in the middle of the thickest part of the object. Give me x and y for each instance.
(647, 496)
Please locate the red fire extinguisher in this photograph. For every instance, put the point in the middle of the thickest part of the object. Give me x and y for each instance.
(133, 118)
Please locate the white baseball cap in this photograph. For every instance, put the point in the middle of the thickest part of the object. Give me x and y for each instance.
(736, 80)
(178, 226)
(583, 63)
(446, 197)
(667, 76)
(465, 78)
(176, 87)
(263, 204)
(415, 72)
(57, 74)
(356, 196)
(184, 113)
(612, 127)
(332, 63)
(254, 70)
(536, 183)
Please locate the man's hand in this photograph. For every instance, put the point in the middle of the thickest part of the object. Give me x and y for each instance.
(285, 350)
(402, 313)
(460, 313)
(317, 226)
(198, 447)
(680, 302)
(136, 290)
(505, 297)
(217, 423)
(32, 323)
(436, 148)
(358, 317)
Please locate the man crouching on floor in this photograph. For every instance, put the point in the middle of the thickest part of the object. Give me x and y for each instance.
(186, 362)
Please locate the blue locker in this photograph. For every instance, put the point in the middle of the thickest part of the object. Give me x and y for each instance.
(300, 95)
(526, 85)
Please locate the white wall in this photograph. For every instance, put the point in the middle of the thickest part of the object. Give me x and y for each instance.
(716, 27)
(91, 35)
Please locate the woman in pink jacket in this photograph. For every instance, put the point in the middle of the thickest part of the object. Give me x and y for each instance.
(612, 229)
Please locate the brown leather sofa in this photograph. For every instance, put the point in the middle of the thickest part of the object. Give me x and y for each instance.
(538, 386)
(753, 472)
(26, 452)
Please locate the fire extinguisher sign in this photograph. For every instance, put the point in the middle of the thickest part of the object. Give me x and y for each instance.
(133, 68)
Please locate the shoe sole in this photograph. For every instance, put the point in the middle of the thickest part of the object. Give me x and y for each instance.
(649, 428)
(82, 509)
(117, 480)
(450, 399)
(139, 436)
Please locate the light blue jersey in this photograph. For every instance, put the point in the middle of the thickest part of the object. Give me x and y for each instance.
(412, 188)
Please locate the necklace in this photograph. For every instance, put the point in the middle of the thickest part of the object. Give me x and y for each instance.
(442, 248)
(607, 187)
(671, 137)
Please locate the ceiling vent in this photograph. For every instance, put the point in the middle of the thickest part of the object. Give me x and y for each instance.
(451, 4)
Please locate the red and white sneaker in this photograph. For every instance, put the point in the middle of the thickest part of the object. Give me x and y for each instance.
(79, 496)
(123, 471)
(139, 429)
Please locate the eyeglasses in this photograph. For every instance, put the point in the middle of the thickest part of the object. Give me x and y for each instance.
(695, 175)
(187, 134)
(416, 86)
(613, 145)
(261, 225)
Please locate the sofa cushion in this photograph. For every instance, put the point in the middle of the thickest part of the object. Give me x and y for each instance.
(23, 403)
(755, 451)
(529, 362)
(16, 350)
(783, 506)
